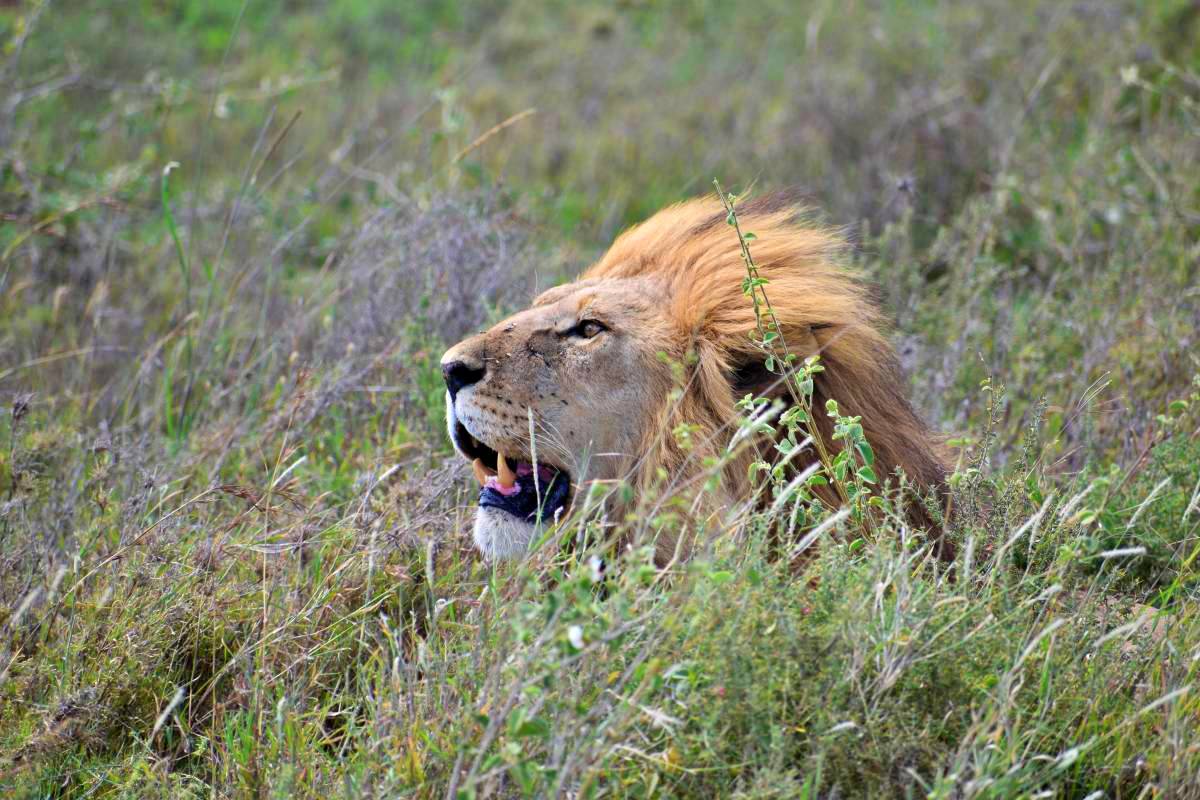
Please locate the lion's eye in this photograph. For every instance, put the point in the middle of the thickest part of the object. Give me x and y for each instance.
(587, 329)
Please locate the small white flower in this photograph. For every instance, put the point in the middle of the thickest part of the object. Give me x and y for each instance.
(596, 565)
(575, 636)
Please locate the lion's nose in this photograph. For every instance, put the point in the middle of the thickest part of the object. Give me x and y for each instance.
(458, 374)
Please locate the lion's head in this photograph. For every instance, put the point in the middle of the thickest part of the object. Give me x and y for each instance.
(576, 389)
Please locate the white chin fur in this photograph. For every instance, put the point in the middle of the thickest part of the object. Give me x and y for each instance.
(500, 535)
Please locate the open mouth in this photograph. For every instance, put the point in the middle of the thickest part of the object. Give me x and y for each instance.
(513, 485)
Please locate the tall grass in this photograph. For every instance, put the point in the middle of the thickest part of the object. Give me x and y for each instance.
(247, 571)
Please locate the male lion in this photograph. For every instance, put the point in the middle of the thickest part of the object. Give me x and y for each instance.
(575, 389)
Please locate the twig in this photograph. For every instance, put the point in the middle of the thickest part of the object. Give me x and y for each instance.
(492, 131)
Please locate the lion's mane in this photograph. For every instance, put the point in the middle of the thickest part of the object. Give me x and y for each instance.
(823, 308)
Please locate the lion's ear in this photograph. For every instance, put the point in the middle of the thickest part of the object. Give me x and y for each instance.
(752, 377)
(748, 373)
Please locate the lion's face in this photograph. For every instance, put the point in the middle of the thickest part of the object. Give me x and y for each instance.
(555, 397)
(574, 390)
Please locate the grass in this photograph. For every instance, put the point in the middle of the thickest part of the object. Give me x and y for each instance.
(235, 549)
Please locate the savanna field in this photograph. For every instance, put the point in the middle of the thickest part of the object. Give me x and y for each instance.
(236, 237)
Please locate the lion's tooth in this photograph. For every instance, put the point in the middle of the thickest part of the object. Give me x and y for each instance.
(507, 478)
(481, 472)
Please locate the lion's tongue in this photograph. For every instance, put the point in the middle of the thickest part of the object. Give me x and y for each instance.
(527, 494)
(494, 484)
(504, 480)
(523, 469)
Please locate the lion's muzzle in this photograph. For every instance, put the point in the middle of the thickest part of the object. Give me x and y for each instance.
(516, 495)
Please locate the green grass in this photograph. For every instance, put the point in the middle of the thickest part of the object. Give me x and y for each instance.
(235, 549)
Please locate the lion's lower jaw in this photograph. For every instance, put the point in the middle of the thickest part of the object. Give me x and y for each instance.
(500, 535)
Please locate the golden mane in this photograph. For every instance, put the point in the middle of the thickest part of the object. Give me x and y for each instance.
(822, 307)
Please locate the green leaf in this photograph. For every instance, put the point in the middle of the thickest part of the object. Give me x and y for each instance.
(868, 455)
(534, 726)
(866, 474)
(794, 416)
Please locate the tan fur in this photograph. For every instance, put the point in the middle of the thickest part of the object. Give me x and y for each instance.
(673, 285)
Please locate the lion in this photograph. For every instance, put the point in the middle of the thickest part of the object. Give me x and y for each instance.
(578, 389)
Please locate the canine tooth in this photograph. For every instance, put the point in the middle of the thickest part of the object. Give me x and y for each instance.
(505, 473)
(481, 472)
